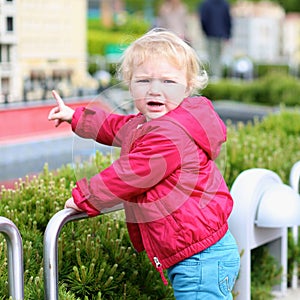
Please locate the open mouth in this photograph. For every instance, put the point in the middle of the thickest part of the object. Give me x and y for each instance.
(154, 103)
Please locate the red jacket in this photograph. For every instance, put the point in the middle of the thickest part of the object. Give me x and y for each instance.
(175, 198)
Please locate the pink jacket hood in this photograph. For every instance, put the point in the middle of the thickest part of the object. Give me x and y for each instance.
(197, 116)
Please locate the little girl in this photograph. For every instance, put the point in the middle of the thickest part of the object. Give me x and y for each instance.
(175, 198)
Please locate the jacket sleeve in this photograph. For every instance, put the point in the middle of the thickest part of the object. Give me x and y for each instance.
(95, 123)
(155, 156)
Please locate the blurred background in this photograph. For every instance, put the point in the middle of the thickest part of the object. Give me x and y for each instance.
(72, 45)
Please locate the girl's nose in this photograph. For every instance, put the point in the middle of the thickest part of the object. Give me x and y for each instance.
(155, 86)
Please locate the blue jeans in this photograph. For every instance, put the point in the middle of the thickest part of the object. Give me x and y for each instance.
(209, 274)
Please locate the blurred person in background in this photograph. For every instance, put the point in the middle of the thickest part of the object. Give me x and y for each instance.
(216, 23)
(172, 15)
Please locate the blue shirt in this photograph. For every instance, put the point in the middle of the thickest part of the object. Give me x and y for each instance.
(215, 18)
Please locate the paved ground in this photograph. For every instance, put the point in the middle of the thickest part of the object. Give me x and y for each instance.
(240, 112)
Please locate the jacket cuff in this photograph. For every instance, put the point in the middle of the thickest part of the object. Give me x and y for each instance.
(76, 116)
(81, 195)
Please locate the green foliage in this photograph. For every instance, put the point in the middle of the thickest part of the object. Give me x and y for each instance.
(272, 143)
(273, 89)
(30, 205)
(263, 70)
(98, 40)
(265, 273)
(101, 41)
(100, 37)
(96, 260)
(293, 254)
(289, 5)
(105, 264)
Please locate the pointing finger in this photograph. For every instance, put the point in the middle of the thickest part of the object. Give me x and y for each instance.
(58, 99)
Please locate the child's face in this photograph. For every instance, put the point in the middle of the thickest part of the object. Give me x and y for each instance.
(158, 87)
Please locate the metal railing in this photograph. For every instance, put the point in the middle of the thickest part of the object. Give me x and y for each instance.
(51, 247)
(15, 258)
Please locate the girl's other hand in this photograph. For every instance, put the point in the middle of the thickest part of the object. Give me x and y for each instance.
(71, 204)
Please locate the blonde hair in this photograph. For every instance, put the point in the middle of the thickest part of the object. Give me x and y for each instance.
(160, 43)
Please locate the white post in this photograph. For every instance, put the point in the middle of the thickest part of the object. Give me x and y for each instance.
(294, 182)
(252, 191)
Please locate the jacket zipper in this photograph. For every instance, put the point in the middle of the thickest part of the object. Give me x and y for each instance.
(159, 268)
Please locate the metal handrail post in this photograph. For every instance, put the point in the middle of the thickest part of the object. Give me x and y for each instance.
(50, 249)
(15, 258)
(50, 246)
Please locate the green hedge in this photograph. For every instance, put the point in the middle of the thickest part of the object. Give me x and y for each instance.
(100, 37)
(273, 143)
(96, 260)
(275, 88)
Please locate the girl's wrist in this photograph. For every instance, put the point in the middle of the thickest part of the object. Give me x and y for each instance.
(69, 120)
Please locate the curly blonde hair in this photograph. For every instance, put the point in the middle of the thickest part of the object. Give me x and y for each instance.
(160, 43)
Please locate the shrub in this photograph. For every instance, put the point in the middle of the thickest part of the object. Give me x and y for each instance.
(263, 70)
(272, 143)
(100, 37)
(96, 260)
(262, 282)
(273, 89)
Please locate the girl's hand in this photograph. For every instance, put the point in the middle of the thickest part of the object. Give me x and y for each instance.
(71, 204)
(60, 113)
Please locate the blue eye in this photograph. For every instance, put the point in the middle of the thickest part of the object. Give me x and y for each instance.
(169, 81)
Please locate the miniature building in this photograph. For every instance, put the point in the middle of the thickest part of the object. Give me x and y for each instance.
(8, 41)
(257, 30)
(42, 46)
(291, 41)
